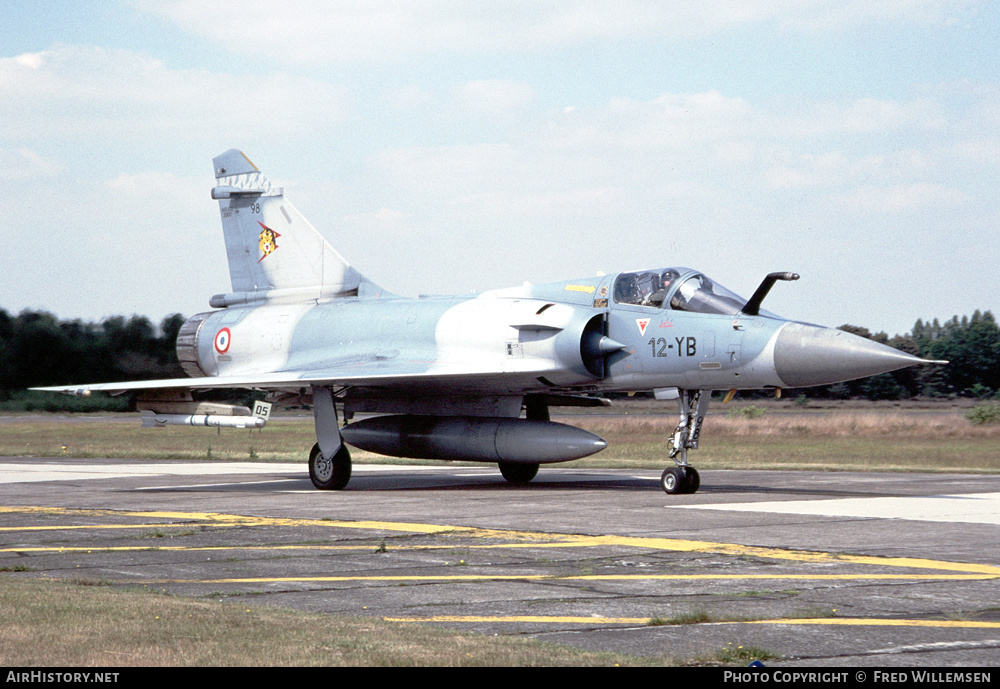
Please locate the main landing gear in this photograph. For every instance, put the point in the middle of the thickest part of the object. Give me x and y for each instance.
(329, 460)
(330, 474)
(684, 478)
(516, 472)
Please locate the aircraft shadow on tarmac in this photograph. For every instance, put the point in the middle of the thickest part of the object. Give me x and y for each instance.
(590, 480)
(423, 482)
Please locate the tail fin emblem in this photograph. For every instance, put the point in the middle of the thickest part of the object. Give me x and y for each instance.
(268, 241)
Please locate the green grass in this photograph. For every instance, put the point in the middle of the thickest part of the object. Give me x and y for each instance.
(830, 440)
(739, 654)
(986, 412)
(120, 435)
(693, 617)
(60, 624)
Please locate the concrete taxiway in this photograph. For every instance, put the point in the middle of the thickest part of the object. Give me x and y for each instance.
(833, 569)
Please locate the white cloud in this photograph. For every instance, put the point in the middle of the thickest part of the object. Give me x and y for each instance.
(826, 15)
(821, 118)
(87, 92)
(409, 97)
(495, 171)
(702, 141)
(673, 121)
(703, 179)
(902, 198)
(310, 31)
(500, 97)
(24, 163)
(382, 221)
(146, 243)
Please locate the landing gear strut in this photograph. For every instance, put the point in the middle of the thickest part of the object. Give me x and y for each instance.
(516, 472)
(684, 478)
(329, 460)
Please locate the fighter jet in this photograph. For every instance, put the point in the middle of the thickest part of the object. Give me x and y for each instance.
(450, 377)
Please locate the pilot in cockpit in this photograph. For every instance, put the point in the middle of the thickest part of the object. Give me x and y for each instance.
(657, 297)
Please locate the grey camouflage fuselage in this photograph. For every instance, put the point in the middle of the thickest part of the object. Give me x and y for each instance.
(452, 375)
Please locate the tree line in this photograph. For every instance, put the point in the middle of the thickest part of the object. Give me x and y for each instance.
(971, 345)
(39, 350)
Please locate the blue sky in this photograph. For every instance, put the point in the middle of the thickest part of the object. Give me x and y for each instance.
(447, 147)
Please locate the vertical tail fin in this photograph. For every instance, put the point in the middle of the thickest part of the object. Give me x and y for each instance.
(274, 253)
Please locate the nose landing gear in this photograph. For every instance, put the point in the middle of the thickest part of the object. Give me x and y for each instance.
(684, 478)
(680, 480)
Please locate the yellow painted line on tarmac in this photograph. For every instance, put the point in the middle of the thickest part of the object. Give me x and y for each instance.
(215, 518)
(784, 554)
(553, 619)
(962, 576)
(842, 621)
(194, 548)
(29, 509)
(579, 577)
(102, 527)
(509, 539)
(878, 622)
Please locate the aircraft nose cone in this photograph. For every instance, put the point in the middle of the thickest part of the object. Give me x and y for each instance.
(807, 355)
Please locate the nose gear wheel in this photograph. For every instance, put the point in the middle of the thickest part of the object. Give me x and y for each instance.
(683, 478)
(680, 480)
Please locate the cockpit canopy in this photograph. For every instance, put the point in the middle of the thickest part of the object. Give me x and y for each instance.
(682, 289)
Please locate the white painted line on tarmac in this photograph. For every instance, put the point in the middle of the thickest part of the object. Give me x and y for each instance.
(971, 508)
(48, 470)
(33, 472)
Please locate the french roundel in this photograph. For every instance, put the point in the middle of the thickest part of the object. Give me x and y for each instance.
(222, 339)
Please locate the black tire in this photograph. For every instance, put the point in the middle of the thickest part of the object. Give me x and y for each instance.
(331, 474)
(680, 480)
(518, 473)
(672, 480)
(692, 481)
